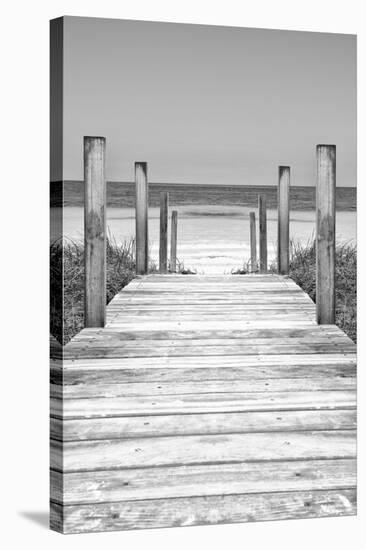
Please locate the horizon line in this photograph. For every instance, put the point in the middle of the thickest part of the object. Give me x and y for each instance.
(203, 184)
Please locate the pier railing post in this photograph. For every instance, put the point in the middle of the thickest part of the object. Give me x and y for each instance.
(142, 235)
(253, 242)
(95, 231)
(283, 224)
(262, 208)
(325, 234)
(173, 242)
(163, 243)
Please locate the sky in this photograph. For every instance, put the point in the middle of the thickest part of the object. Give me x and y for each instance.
(207, 104)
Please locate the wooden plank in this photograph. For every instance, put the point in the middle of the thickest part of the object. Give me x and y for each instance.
(205, 350)
(214, 308)
(202, 480)
(130, 389)
(325, 233)
(246, 343)
(200, 449)
(158, 419)
(212, 361)
(222, 302)
(232, 283)
(317, 332)
(212, 367)
(203, 510)
(192, 403)
(157, 334)
(280, 322)
(194, 424)
(251, 312)
(224, 278)
(95, 231)
(181, 373)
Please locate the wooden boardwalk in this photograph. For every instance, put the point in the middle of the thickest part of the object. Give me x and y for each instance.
(204, 400)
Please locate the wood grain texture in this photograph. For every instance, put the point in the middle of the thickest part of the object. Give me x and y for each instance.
(210, 510)
(203, 400)
(262, 213)
(201, 403)
(131, 389)
(203, 480)
(163, 235)
(200, 424)
(173, 241)
(200, 449)
(325, 233)
(142, 218)
(283, 223)
(95, 231)
(253, 242)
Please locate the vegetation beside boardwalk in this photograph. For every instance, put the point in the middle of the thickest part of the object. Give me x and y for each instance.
(303, 270)
(68, 256)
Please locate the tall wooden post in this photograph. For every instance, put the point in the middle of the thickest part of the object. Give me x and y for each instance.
(163, 245)
(95, 231)
(253, 243)
(262, 233)
(325, 234)
(142, 234)
(283, 224)
(173, 242)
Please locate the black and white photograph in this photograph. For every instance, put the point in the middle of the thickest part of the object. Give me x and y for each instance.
(182, 275)
(203, 257)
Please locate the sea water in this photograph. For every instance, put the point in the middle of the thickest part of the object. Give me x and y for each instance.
(212, 238)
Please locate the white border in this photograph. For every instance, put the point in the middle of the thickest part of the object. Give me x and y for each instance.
(24, 217)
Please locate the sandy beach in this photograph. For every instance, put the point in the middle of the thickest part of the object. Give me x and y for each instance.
(212, 238)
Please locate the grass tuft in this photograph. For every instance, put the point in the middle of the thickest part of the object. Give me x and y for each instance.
(303, 272)
(67, 259)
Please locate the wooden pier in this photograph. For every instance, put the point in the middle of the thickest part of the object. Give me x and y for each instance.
(203, 400)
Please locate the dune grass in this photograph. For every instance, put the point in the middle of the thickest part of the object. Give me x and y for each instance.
(68, 257)
(302, 271)
(67, 264)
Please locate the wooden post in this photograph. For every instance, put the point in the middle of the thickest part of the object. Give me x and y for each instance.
(283, 223)
(95, 231)
(173, 242)
(262, 233)
(253, 243)
(142, 234)
(325, 234)
(163, 245)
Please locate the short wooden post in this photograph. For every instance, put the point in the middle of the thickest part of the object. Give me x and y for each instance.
(283, 223)
(142, 234)
(262, 233)
(163, 245)
(253, 242)
(325, 234)
(95, 231)
(173, 242)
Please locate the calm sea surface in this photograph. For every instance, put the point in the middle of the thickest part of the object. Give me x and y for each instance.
(213, 221)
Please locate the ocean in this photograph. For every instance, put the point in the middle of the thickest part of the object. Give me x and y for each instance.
(213, 221)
